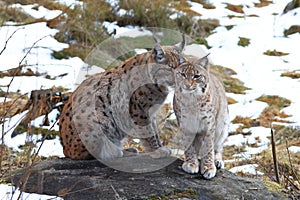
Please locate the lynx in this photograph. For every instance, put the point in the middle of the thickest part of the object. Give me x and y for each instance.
(201, 109)
(109, 107)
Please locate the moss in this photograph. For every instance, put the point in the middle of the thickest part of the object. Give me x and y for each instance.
(234, 85)
(275, 101)
(229, 27)
(176, 194)
(231, 84)
(243, 41)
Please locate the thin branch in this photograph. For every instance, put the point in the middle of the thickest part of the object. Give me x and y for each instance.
(290, 161)
(2, 148)
(274, 156)
(6, 42)
(25, 179)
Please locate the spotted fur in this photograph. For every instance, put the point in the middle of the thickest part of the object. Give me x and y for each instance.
(201, 108)
(108, 107)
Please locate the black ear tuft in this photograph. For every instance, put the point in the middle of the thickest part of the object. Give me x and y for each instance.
(181, 45)
(204, 61)
(159, 54)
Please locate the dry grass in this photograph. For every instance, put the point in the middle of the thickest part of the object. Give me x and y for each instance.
(243, 41)
(85, 33)
(232, 85)
(262, 3)
(275, 53)
(7, 13)
(292, 74)
(288, 162)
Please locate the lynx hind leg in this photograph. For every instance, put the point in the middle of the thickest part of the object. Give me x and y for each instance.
(100, 137)
(154, 148)
(191, 163)
(219, 163)
(130, 152)
(100, 146)
(72, 145)
(218, 147)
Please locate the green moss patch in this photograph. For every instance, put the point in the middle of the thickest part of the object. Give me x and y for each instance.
(231, 84)
(275, 101)
(243, 41)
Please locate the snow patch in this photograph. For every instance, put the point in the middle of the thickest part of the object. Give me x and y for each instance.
(247, 169)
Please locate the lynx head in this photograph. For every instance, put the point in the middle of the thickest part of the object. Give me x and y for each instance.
(169, 55)
(193, 77)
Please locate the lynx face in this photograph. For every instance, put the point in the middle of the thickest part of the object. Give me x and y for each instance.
(192, 78)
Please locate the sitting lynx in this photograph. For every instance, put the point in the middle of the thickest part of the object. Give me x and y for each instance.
(201, 109)
(111, 106)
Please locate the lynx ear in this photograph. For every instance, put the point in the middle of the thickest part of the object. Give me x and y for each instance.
(159, 54)
(181, 45)
(156, 39)
(204, 62)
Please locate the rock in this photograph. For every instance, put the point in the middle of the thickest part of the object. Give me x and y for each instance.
(89, 179)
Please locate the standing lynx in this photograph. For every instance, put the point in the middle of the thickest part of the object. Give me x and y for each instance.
(201, 109)
(111, 106)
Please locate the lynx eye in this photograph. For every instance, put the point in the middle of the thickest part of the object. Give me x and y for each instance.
(183, 74)
(197, 76)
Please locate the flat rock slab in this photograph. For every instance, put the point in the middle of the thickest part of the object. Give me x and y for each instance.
(89, 179)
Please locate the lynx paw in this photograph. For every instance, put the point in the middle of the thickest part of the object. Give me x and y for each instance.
(161, 152)
(191, 167)
(130, 152)
(208, 172)
(219, 164)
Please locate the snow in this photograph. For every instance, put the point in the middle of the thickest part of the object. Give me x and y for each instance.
(259, 72)
(11, 193)
(248, 169)
(294, 149)
(41, 11)
(70, 3)
(128, 31)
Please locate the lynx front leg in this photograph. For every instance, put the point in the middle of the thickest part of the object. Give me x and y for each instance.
(191, 163)
(218, 160)
(208, 168)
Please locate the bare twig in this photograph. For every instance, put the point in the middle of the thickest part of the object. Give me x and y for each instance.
(274, 155)
(2, 147)
(6, 42)
(25, 179)
(290, 161)
(291, 182)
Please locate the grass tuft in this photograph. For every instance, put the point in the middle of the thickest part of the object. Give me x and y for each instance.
(243, 41)
(291, 74)
(275, 101)
(274, 53)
